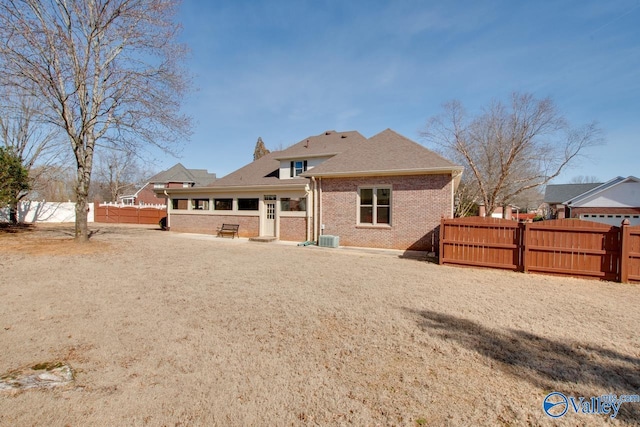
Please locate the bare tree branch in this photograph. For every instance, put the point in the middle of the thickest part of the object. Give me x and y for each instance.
(510, 149)
(29, 138)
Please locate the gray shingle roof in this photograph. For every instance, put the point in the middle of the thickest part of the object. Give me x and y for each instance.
(560, 193)
(352, 153)
(327, 143)
(178, 173)
(265, 170)
(386, 152)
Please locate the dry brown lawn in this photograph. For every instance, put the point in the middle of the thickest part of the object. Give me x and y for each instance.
(172, 329)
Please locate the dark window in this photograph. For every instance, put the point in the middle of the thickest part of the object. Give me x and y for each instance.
(366, 206)
(223, 204)
(383, 205)
(248, 204)
(293, 204)
(179, 204)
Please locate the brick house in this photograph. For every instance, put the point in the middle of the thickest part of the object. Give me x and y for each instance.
(386, 192)
(610, 202)
(175, 177)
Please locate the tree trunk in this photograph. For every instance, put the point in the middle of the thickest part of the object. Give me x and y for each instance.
(82, 226)
(13, 213)
(82, 205)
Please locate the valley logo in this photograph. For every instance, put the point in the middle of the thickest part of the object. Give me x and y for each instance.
(556, 404)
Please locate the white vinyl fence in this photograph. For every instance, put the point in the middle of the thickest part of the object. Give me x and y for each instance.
(32, 212)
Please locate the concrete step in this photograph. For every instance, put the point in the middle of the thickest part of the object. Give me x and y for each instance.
(263, 239)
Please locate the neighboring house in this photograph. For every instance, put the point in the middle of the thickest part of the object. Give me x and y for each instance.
(508, 212)
(176, 177)
(386, 191)
(610, 202)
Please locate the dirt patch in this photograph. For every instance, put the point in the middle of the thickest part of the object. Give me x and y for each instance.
(53, 247)
(50, 239)
(172, 329)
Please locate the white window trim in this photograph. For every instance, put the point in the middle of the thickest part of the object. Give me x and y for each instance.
(375, 205)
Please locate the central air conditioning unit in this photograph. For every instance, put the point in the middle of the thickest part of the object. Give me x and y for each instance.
(327, 241)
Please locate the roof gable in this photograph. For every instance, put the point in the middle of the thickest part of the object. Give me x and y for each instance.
(618, 192)
(386, 152)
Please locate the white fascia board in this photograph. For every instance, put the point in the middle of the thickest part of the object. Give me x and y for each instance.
(232, 189)
(456, 171)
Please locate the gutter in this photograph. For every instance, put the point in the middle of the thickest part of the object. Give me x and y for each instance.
(385, 172)
(315, 210)
(234, 189)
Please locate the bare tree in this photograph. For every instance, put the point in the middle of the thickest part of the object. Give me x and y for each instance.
(509, 149)
(54, 183)
(117, 173)
(33, 142)
(467, 197)
(107, 72)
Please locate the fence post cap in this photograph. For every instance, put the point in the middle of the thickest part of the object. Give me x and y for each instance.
(625, 221)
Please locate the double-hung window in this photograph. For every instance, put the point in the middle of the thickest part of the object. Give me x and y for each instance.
(297, 167)
(375, 205)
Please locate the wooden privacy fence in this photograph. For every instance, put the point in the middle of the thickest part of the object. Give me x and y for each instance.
(564, 247)
(128, 214)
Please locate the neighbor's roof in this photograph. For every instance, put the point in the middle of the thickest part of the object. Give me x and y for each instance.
(385, 153)
(265, 170)
(178, 173)
(601, 188)
(560, 193)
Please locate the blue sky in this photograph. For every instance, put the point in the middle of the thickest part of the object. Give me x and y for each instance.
(284, 70)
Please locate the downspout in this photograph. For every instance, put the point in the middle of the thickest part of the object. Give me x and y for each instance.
(453, 195)
(320, 205)
(315, 210)
(308, 214)
(168, 215)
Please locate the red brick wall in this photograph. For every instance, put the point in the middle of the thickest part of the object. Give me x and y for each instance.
(576, 212)
(146, 196)
(208, 224)
(293, 229)
(174, 185)
(417, 204)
